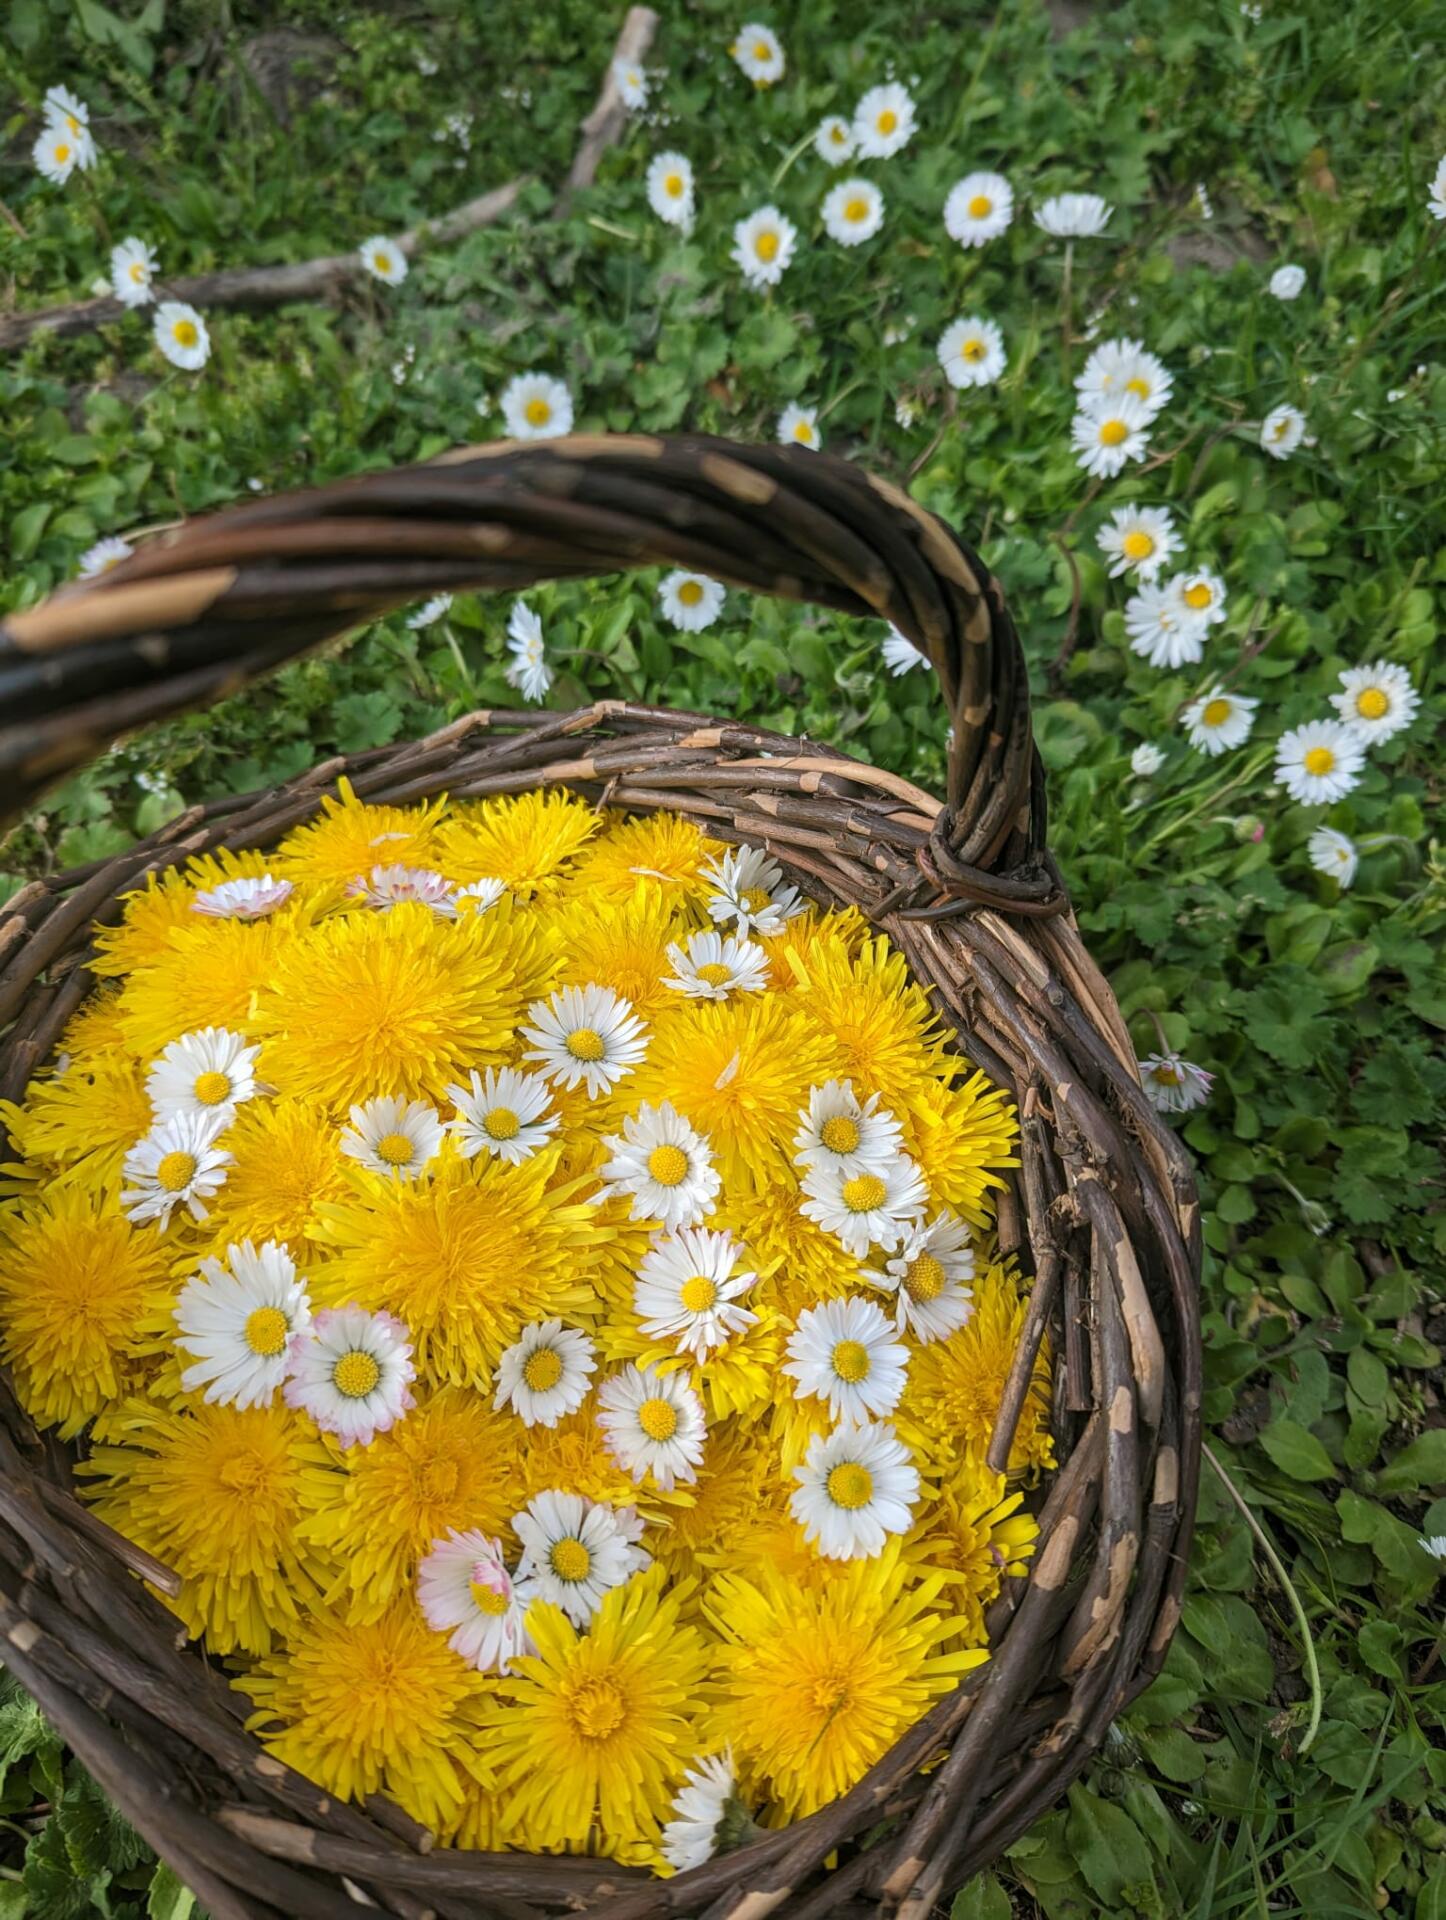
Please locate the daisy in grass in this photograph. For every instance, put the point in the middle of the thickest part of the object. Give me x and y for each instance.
(502, 1112)
(1219, 720)
(857, 1485)
(1109, 436)
(1118, 367)
(652, 1423)
(1073, 216)
(763, 246)
(713, 965)
(971, 352)
(204, 1072)
(853, 211)
(181, 335)
(1172, 1084)
(388, 887)
(1281, 432)
(352, 1372)
(68, 113)
(237, 1317)
(1333, 854)
(527, 667)
(1142, 538)
(844, 1352)
(1319, 762)
(663, 1165)
(536, 407)
(1162, 630)
(837, 1130)
(243, 899)
(686, 1291)
(874, 1208)
(709, 1817)
(1286, 283)
(383, 260)
(1146, 761)
(979, 208)
(58, 152)
(393, 1136)
(133, 267)
(833, 140)
(1201, 596)
(670, 189)
(104, 555)
(689, 601)
(884, 121)
(573, 1552)
(798, 427)
(1377, 701)
(929, 1277)
(466, 1592)
(750, 892)
(178, 1164)
(759, 53)
(631, 83)
(546, 1374)
(585, 1036)
(900, 653)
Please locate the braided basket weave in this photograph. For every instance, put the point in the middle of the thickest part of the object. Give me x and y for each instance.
(1103, 1209)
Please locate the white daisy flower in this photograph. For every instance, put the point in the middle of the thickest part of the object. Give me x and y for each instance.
(1073, 216)
(237, 1317)
(798, 427)
(1435, 1543)
(833, 140)
(104, 555)
(631, 83)
(763, 245)
(751, 892)
(352, 1372)
(181, 335)
(884, 121)
(853, 211)
(466, 1592)
(502, 1112)
(713, 965)
(1140, 537)
(878, 1207)
(759, 53)
(1119, 367)
(857, 1485)
(664, 1166)
(1108, 437)
(384, 259)
(900, 653)
(430, 612)
(393, 1136)
(1377, 701)
(844, 1352)
(133, 266)
(177, 1164)
(1201, 595)
(210, 1070)
(250, 899)
(1436, 199)
(573, 1552)
(388, 887)
(1146, 761)
(546, 1374)
(585, 1036)
(1173, 1085)
(836, 1130)
(1333, 854)
(929, 1277)
(652, 1422)
(670, 189)
(1319, 762)
(971, 352)
(57, 153)
(536, 407)
(686, 1291)
(1160, 629)
(1286, 283)
(527, 669)
(1219, 720)
(483, 893)
(708, 1817)
(1281, 432)
(67, 110)
(689, 601)
(979, 208)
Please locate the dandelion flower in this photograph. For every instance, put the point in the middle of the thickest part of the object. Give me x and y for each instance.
(844, 1352)
(663, 1166)
(652, 1423)
(1142, 538)
(181, 335)
(177, 1164)
(1120, 367)
(763, 246)
(1162, 630)
(1320, 761)
(203, 1073)
(1173, 1085)
(1286, 283)
(971, 352)
(833, 140)
(393, 1137)
(690, 601)
(713, 965)
(466, 1592)
(951, 1403)
(929, 1278)
(750, 892)
(884, 121)
(1219, 720)
(900, 653)
(133, 267)
(528, 840)
(708, 1815)
(387, 887)
(1333, 854)
(1073, 216)
(1108, 437)
(546, 1374)
(536, 407)
(574, 1552)
(853, 211)
(1376, 701)
(631, 83)
(286, 1160)
(527, 669)
(979, 208)
(585, 1036)
(865, 1209)
(384, 260)
(687, 1291)
(104, 555)
(244, 899)
(759, 53)
(670, 189)
(798, 427)
(236, 1318)
(502, 1112)
(1281, 432)
(352, 1372)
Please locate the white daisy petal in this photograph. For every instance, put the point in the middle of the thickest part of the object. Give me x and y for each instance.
(1119, 367)
(705, 1808)
(857, 1485)
(1333, 854)
(853, 212)
(1219, 720)
(181, 335)
(664, 1166)
(1376, 701)
(1173, 1085)
(652, 1423)
(979, 208)
(884, 121)
(352, 1372)
(536, 407)
(392, 1136)
(210, 1071)
(833, 140)
(759, 54)
(384, 260)
(387, 887)
(237, 1318)
(133, 268)
(1073, 216)
(670, 189)
(585, 1036)
(686, 1291)
(1109, 434)
(545, 1374)
(877, 1206)
(1319, 762)
(1142, 538)
(763, 246)
(177, 1164)
(750, 892)
(1281, 432)
(971, 352)
(929, 1277)
(798, 427)
(573, 1552)
(503, 1112)
(690, 602)
(465, 1591)
(251, 899)
(713, 965)
(844, 1352)
(837, 1130)
(527, 669)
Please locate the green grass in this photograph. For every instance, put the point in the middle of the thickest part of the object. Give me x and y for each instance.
(1315, 131)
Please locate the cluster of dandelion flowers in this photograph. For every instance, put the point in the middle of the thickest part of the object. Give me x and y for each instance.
(530, 1274)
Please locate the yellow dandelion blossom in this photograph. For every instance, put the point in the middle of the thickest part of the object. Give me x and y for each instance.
(209, 976)
(527, 840)
(83, 1122)
(818, 1682)
(697, 1527)
(97, 1028)
(882, 1029)
(838, 936)
(376, 1706)
(797, 1263)
(599, 1726)
(622, 944)
(572, 1455)
(152, 914)
(488, 1823)
(349, 838)
(981, 1533)
(286, 1159)
(219, 1494)
(661, 852)
(75, 1277)
(961, 1138)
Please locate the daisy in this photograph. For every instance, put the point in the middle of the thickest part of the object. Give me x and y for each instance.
(836, 1131)
(750, 891)
(429, 613)
(1436, 199)
(798, 427)
(585, 1036)
(466, 1592)
(971, 352)
(884, 121)
(833, 140)
(1435, 1543)
(979, 208)
(384, 260)
(1146, 761)
(1333, 854)
(1172, 1084)
(133, 267)
(1138, 537)
(853, 211)
(713, 965)
(631, 83)
(352, 1372)
(708, 1817)
(1107, 437)
(573, 1552)
(387, 887)
(844, 1352)
(393, 1136)
(1201, 596)
(878, 1207)
(69, 112)
(686, 1291)
(763, 245)
(249, 899)
(527, 670)
(652, 1422)
(1319, 762)
(900, 653)
(1287, 282)
(57, 153)
(1376, 701)
(856, 1487)
(104, 555)
(546, 1374)
(483, 893)
(204, 1072)
(929, 1277)
(1281, 432)
(664, 1165)
(689, 601)
(536, 407)
(1161, 630)
(759, 53)
(1119, 367)
(1073, 216)
(502, 1112)
(237, 1317)
(181, 335)
(177, 1164)
(670, 189)
(1219, 720)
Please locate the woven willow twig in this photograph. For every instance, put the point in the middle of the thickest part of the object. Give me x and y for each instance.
(1103, 1210)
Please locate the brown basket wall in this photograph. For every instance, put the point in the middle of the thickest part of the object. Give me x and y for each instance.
(1103, 1210)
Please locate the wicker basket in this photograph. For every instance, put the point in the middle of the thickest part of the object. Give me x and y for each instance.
(1103, 1210)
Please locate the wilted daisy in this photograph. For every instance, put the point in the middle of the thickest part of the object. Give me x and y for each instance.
(900, 653)
(670, 189)
(104, 555)
(750, 892)
(759, 53)
(652, 1424)
(857, 1485)
(1108, 436)
(352, 1372)
(838, 1130)
(1287, 282)
(929, 1277)
(181, 335)
(177, 1164)
(1281, 431)
(57, 153)
(971, 352)
(248, 899)
(979, 208)
(430, 612)
(711, 965)
(1161, 630)
(527, 667)
(1138, 537)
(664, 1166)
(833, 140)
(1377, 701)
(585, 1036)
(205, 1072)
(573, 1552)
(631, 83)
(844, 1352)
(874, 1208)
(1119, 367)
(687, 1291)
(798, 427)
(1073, 216)
(853, 211)
(1319, 762)
(384, 260)
(1172, 1084)
(689, 601)
(1146, 761)
(884, 121)
(708, 1817)
(387, 887)
(763, 245)
(1219, 720)
(466, 1592)
(390, 1135)
(133, 267)
(1201, 595)
(237, 1318)
(1436, 199)
(545, 1374)
(503, 1112)
(1334, 854)
(536, 407)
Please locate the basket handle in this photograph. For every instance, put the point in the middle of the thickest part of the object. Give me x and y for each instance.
(196, 613)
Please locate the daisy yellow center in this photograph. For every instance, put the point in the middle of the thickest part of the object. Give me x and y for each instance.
(1215, 713)
(137, 272)
(698, 1294)
(863, 1194)
(1372, 704)
(597, 1709)
(924, 1280)
(766, 245)
(355, 1374)
(539, 412)
(1319, 761)
(840, 1134)
(382, 262)
(658, 1419)
(756, 899)
(850, 1486)
(673, 185)
(887, 121)
(176, 1171)
(803, 431)
(184, 333)
(668, 1165)
(542, 1370)
(1138, 545)
(839, 135)
(1169, 1076)
(762, 50)
(851, 1361)
(585, 1043)
(1139, 386)
(487, 1599)
(1198, 596)
(690, 592)
(266, 1331)
(980, 207)
(1112, 433)
(857, 208)
(713, 973)
(62, 153)
(569, 1559)
(501, 1124)
(396, 1149)
(1280, 429)
(972, 349)
(211, 1088)
(72, 123)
